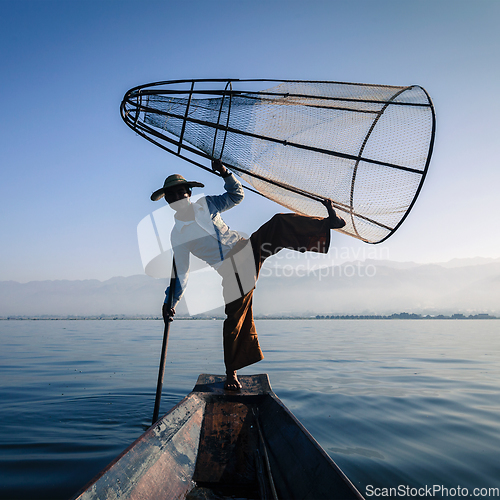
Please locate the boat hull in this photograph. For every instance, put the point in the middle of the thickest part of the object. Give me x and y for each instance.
(217, 444)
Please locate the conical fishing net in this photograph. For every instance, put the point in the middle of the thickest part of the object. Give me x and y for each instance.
(366, 147)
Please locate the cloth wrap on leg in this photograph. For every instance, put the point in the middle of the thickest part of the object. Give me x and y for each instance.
(240, 272)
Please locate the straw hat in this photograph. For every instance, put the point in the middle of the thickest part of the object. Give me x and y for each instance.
(173, 181)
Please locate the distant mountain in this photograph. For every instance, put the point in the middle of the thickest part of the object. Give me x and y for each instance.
(474, 261)
(378, 287)
(468, 286)
(131, 296)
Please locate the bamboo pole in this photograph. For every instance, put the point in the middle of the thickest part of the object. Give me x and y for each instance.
(163, 356)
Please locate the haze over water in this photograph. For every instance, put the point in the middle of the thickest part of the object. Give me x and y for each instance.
(395, 403)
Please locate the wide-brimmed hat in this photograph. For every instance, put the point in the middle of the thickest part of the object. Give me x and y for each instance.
(173, 181)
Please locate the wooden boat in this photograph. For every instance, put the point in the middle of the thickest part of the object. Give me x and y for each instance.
(216, 445)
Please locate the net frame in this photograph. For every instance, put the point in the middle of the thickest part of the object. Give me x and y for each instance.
(135, 107)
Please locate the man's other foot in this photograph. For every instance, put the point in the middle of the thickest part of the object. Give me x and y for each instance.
(336, 222)
(232, 382)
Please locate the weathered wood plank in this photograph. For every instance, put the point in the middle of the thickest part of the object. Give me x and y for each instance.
(227, 443)
(210, 440)
(160, 464)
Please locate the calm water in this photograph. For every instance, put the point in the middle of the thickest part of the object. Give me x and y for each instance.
(412, 403)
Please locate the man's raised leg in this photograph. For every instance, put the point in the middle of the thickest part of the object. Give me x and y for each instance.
(336, 222)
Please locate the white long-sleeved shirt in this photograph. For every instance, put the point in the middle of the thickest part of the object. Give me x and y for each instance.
(207, 236)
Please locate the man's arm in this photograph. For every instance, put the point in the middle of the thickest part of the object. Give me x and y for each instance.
(218, 167)
(234, 190)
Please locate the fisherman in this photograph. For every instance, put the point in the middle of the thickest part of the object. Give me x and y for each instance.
(200, 230)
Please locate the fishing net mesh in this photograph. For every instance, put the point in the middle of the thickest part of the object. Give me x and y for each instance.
(365, 147)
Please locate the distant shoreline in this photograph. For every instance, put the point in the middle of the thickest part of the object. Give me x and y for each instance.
(403, 316)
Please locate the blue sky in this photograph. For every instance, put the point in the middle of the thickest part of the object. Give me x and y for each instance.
(76, 180)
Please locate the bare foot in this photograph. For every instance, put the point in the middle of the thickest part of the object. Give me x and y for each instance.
(232, 382)
(336, 222)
